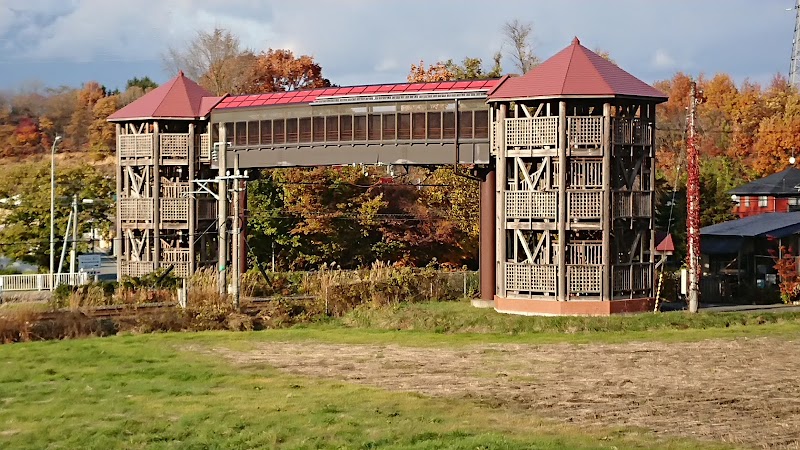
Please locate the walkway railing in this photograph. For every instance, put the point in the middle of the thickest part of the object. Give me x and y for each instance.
(41, 281)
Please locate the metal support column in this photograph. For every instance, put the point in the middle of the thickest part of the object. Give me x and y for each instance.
(487, 236)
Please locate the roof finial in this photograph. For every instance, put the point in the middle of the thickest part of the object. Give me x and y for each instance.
(576, 41)
(180, 73)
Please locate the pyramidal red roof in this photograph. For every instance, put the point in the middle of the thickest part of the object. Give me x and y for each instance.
(179, 98)
(575, 71)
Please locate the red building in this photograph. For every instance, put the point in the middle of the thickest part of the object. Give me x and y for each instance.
(779, 192)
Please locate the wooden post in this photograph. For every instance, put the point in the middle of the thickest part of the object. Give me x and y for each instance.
(117, 246)
(651, 117)
(562, 201)
(608, 207)
(192, 202)
(156, 197)
(222, 213)
(500, 215)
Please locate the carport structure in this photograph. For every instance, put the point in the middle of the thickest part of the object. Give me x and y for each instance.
(571, 241)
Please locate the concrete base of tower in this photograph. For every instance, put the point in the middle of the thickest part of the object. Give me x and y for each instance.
(479, 303)
(535, 307)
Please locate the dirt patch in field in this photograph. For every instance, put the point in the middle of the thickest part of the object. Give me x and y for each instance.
(742, 391)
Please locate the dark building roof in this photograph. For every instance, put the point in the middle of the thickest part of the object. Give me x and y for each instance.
(785, 183)
(575, 71)
(775, 225)
(179, 98)
(311, 95)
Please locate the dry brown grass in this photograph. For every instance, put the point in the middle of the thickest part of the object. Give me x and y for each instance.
(742, 391)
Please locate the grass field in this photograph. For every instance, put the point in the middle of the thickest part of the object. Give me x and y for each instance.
(316, 386)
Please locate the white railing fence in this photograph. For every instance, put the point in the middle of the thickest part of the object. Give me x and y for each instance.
(41, 281)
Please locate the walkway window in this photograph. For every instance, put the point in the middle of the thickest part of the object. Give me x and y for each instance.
(449, 125)
(291, 130)
(404, 126)
(793, 201)
(253, 134)
(747, 202)
(332, 130)
(278, 131)
(360, 128)
(305, 129)
(435, 126)
(240, 133)
(762, 201)
(418, 126)
(346, 128)
(266, 132)
(319, 129)
(389, 127)
(465, 125)
(481, 124)
(374, 127)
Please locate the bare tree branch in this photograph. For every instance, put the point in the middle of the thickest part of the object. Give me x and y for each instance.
(518, 35)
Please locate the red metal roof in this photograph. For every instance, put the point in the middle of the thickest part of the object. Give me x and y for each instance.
(179, 98)
(576, 70)
(311, 95)
(666, 245)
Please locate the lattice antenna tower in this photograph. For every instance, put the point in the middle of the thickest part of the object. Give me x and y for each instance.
(794, 68)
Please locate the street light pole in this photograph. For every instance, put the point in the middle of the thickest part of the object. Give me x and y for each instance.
(53, 211)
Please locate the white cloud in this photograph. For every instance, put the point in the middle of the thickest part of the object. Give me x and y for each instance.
(662, 60)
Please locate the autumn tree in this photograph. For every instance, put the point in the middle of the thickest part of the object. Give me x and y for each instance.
(215, 59)
(436, 72)
(279, 70)
(518, 36)
(25, 231)
(472, 68)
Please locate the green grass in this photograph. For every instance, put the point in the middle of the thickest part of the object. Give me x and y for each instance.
(150, 391)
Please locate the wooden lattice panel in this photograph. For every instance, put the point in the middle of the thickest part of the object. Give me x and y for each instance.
(205, 147)
(531, 205)
(586, 172)
(175, 256)
(632, 204)
(531, 278)
(621, 279)
(642, 279)
(135, 145)
(174, 145)
(532, 132)
(585, 131)
(136, 209)
(136, 268)
(585, 253)
(585, 204)
(628, 131)
(585, 279)
(175, 190)
(174, 209)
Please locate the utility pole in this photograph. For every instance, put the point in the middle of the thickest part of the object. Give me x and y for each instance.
(693, 202)
(236, 276)
(794, 68)
(73, 250)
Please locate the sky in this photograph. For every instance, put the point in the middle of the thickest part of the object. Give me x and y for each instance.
(68, 42)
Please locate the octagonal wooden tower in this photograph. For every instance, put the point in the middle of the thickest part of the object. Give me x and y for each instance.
(162, 149)
(574, 141)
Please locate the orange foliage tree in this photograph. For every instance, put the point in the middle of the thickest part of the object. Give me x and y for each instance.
(279, 70)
